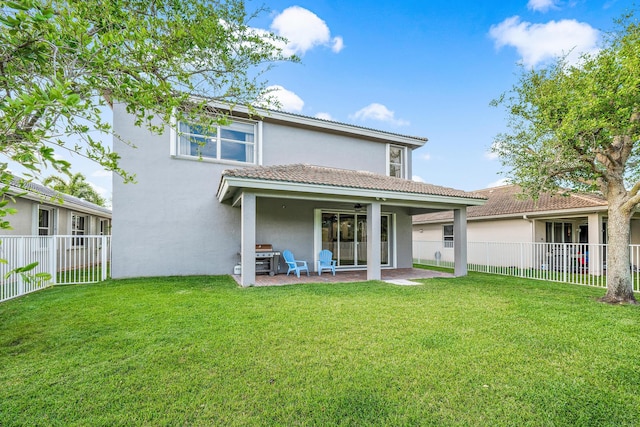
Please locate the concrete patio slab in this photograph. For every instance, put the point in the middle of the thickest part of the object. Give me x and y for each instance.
(403, 276)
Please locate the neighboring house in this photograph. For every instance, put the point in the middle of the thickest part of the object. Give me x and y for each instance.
(506, 217)
(46, 212)
(202, 202)
(524, 232)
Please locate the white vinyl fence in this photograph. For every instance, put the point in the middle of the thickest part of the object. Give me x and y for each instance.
(578, 263)
(67, 259)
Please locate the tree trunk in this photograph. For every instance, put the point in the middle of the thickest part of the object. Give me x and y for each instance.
(619, 285)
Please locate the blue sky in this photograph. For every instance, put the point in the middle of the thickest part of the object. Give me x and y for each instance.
(425, 68)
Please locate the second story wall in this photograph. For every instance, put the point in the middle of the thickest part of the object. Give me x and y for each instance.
(289, 145)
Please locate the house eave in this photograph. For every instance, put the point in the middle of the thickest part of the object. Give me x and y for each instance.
(326, 125)
(54, 202)
(548, 214)
(229, 186)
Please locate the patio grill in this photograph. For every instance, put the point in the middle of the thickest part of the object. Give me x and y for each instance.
(267, 260)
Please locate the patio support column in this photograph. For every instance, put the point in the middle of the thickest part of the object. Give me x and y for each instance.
(460, 241)
(595, 244)
(248, 239)
(373, 241)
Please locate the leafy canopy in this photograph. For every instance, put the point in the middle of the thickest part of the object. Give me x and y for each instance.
(577, 125)
(62, 61)
(77, 186)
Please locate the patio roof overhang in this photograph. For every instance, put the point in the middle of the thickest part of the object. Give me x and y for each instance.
(340, 185)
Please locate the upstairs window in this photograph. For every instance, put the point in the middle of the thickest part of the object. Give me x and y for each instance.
(234, 143)
(397, 161)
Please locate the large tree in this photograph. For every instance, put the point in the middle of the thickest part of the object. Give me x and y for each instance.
(63, 61)
(76, 185)
(577, 126)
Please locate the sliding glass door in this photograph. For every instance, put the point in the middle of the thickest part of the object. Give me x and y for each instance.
(345, 234)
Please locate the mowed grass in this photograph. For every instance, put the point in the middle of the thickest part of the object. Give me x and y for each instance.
(481, 350)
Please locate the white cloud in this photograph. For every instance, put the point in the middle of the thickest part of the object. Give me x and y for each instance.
(417, 178)
(380, 113)
(338, 44)
(304, 30)
(426, 156)
(542, 5)
(490, 155)
(499, 183)
(324, 116)
(288, 100)
(538, 43)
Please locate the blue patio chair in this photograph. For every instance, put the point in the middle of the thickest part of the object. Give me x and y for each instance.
(294, 265)
(325, 262)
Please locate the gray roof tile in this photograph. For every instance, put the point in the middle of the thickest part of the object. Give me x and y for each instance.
(320, 175)
(506, 200)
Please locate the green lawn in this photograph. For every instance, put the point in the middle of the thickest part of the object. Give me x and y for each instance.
(481, 351)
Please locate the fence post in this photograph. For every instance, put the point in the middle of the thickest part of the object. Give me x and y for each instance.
(565, 257)
(54, 260)
(103, 255)
(20, 263)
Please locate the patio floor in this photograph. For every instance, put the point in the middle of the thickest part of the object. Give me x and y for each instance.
(399, 276)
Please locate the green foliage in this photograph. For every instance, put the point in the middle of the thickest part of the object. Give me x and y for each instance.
(577, 125)
(76, 186)
(62, 62)
(475, 351)
(26, 273)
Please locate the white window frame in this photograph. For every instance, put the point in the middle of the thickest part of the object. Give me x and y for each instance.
(51, 227)
(404, 160)
(105, 227)
(257, 144)
(74, 230)
(447, 238)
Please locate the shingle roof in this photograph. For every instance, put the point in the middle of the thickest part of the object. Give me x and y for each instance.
(49, 193)
(505, 201)
(320, 175)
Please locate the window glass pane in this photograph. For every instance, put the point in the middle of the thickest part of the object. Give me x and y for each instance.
(447, 234)
(395, 154)
(202, 147)
(396, 161)
(384, 240)
(43, 218)
(238, 132)
(236, 151)
(557, 232)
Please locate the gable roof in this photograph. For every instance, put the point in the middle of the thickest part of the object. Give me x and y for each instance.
(328, 180)
(505, 201)
(42, 194)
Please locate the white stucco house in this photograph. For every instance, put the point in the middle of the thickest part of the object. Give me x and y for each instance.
(203, 202)
(46, 212)
(507, 217)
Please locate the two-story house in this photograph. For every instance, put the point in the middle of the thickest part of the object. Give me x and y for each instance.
(203, 201)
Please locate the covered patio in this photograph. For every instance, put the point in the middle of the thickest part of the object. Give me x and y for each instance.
(398, 276)
(301, 207)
